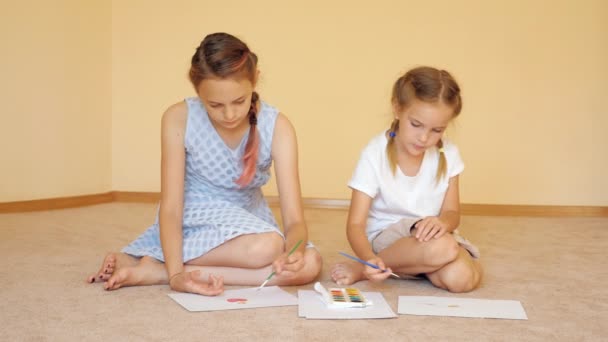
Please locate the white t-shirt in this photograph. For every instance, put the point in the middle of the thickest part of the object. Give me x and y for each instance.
(398, 196)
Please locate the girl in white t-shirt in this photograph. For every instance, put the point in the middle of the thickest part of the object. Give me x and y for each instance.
(405, 205)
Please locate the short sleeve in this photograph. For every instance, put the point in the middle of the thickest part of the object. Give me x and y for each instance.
(454, 161)
(364, 177)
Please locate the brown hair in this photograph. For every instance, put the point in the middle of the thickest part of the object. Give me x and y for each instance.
(222, 55)
(429, 85)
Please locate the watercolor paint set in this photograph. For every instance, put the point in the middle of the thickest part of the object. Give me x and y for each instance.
(349, 297)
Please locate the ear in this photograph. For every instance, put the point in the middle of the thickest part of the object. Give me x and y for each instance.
(256, 78)
(396, 110)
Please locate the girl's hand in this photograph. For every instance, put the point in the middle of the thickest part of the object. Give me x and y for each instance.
(288, 265)
(430, 227)
(191, 282)
(376, 275)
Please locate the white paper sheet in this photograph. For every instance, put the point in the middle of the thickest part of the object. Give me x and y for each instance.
(461, 307)
(311, 306)
(236, 299)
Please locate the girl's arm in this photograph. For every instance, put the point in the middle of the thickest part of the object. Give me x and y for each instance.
(448, 219)
(360, 204)
(173, 169)
(355, 231)
(285, 156)
(173, 161)
(450, 209)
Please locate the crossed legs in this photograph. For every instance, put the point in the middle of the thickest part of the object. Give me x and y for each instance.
(446, 264)
(244, 260)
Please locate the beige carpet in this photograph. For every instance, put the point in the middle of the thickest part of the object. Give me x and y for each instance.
(555, 266)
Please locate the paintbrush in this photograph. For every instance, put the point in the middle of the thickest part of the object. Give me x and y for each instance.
(366, 263)
(273, 272)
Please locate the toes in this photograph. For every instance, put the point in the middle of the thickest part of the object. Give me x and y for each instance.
(105, 276)
(337, 277)
(340, 280)
(112, 284)
(337, 268)
(107, 267)
(110, 259)
(338, 272)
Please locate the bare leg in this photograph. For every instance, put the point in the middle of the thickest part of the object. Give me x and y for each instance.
(247, 251)
(256, 276)
(461, 275)
(150, 271)
(245, 260)
(409, 256)
(405, 256)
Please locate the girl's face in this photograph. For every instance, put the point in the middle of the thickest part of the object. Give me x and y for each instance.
(227, 100)
(421, 125)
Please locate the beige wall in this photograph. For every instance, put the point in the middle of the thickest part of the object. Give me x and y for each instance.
(532, 73)
(55, 91)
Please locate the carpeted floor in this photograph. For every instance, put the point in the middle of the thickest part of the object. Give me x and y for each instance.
(555, 266)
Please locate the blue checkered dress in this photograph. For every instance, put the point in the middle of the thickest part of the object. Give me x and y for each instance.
(216, 209)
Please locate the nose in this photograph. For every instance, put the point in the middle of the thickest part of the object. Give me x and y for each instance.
(230, 113)
(424, 137)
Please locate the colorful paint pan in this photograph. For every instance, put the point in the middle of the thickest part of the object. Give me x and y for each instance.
(342, 297)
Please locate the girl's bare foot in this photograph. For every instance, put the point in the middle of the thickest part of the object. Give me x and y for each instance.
(111, 263)
(148, 271)
(347, 273)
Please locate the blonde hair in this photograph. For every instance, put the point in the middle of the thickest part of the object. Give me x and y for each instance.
(426, 84)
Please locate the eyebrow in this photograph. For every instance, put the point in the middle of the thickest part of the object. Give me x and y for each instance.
(420, 122)
(235, 100)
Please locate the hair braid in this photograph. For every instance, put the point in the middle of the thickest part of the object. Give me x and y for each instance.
(250, 156)
(442, 166)
(390, 146)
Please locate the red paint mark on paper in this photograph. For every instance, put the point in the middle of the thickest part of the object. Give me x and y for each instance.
(237, 300)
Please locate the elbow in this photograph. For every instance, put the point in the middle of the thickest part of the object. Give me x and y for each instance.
(169, 215)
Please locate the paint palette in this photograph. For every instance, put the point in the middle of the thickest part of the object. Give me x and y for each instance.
(349, 297)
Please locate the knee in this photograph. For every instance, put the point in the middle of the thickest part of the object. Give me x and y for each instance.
(461, 285)
(265, 250)
(315, 261)
(461, 279)
(311, 270)
(442, 251)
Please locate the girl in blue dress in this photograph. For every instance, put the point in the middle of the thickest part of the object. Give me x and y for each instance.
(214, 226)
